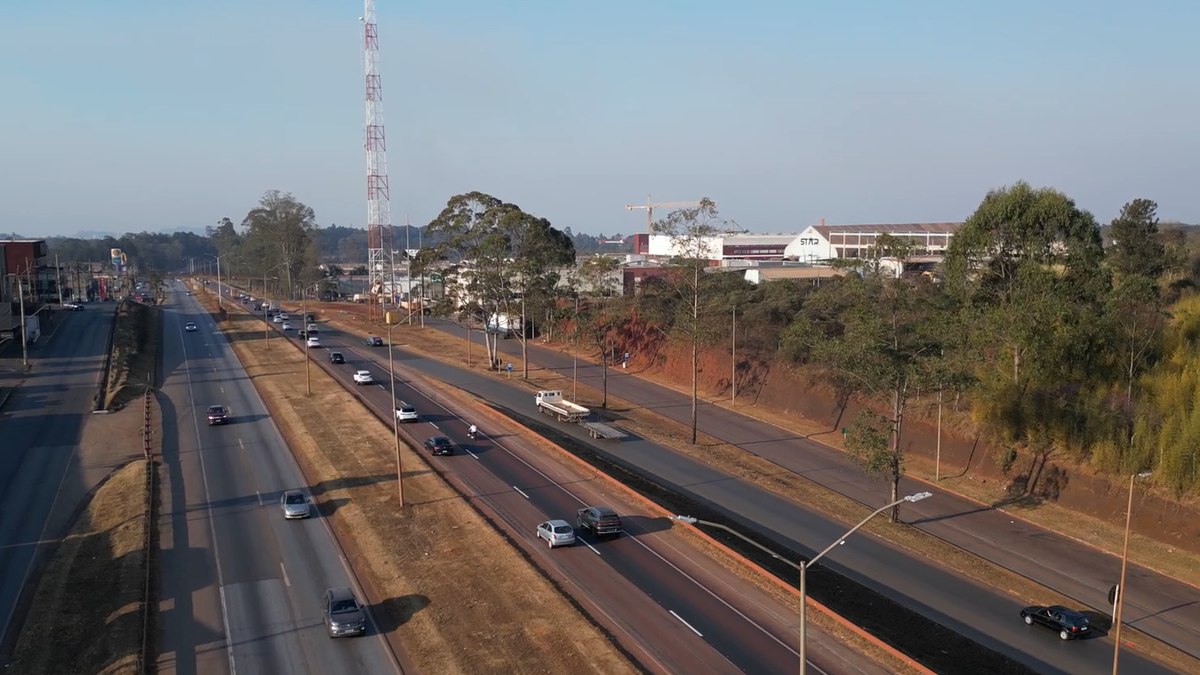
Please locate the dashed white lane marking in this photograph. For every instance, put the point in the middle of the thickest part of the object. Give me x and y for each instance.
(685, 623)
(519, 491)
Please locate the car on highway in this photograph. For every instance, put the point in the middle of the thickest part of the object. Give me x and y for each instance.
(1069, 623)
(285, 326)
(556, 533)
(342, 613)
(406, 413)
(336, 357)
(295, 505)
(217, 414)
(313, 341)
(73, 306)
(363, 377)
(312, 328)
(277, 318)
(439, 445)
(599, 520)
(283, 316)
(302, 333)
(373, 341)
(189, 327)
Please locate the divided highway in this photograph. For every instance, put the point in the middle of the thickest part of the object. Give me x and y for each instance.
(240, 587)
(682, 617)
(980, 613)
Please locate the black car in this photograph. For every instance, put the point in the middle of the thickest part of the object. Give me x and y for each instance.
(336, 357)
(343, 615)
(217, 414)
(373, 341)
(439, 445)
(302, 333)
(1069, 623)
(599, 520)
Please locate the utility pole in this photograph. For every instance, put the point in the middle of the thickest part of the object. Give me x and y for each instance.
(24, 347)
(58, 279)
(733, 372)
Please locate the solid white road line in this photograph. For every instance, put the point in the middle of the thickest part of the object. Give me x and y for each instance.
(260, 501)
(286, 581)
(685, 623)
(519, 490)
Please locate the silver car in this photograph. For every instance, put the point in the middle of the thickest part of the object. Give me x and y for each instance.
(556, 533)
(295, 505)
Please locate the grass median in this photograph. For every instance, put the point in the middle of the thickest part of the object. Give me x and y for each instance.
(86, 615)
(451, 593)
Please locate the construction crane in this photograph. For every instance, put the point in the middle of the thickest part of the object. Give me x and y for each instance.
(650, 206)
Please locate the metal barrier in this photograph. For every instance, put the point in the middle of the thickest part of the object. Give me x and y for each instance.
(144, 658)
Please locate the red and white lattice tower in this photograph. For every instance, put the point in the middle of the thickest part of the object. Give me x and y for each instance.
(379, 210)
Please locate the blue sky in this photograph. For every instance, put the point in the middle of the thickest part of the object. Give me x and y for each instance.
(130, 115)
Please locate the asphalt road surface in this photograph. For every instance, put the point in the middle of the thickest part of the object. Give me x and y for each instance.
(973, 610)
(1156, 604)
(682, 617)
(240, 587)
(40, 428)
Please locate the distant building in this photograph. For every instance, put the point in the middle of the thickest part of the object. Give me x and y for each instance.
(719, 248)
(827, 242)
(24, 267)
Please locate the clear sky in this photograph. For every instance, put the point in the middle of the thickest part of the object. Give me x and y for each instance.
(130, 115)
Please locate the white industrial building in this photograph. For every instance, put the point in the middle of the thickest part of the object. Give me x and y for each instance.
(827, 242)
(720, 247)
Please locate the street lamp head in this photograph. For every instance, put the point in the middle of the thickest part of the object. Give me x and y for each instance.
(918, 497)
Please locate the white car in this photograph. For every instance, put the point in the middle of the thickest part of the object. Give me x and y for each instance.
(556, 533)
(283, 316)
(190, 327)
(312, 328)
(407, 413)
(285, 326)
(278, 318)
(314, 341)
(363, 377)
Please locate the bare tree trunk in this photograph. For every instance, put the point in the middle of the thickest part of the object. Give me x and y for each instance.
(897, 423)
(604, 371)
(524, 344)
(695, 368)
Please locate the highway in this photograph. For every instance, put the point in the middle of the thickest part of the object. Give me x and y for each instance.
(240, 587)
(975, 611)
(41, 425)
(682, 616)
(1157, 605)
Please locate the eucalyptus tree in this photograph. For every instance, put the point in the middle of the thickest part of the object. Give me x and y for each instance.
(280, 232)
(692, 232)
(499, 255)
(596, 281)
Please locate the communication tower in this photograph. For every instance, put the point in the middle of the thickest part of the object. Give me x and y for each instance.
(379, 212)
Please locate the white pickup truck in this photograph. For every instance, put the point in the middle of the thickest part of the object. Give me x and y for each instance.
(552, 402)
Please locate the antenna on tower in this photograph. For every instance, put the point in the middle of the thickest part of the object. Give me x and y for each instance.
(379, 212)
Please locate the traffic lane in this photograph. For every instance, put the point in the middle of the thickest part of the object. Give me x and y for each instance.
(273, 612)
(191, 618)
(42, 423)
(499, 472)
(1163, 607)
(791, 523)
(281, 568)
(661, 643)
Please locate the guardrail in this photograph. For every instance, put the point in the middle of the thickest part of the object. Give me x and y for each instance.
(144, 660)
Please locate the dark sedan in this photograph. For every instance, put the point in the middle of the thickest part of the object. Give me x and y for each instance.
(1069, 623)
(217, 414)
(439, 445)
(336, 357)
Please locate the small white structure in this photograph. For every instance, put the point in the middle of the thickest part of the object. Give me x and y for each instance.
(726, 246)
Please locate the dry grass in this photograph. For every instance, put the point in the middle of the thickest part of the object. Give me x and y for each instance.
(454, 594)
(735, 461)
(86, 614)
(134, 353)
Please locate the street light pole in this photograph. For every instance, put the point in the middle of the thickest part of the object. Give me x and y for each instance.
(733, 360)
(840, 540)
(575, 355)
(395, 420)
(1120, 599)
